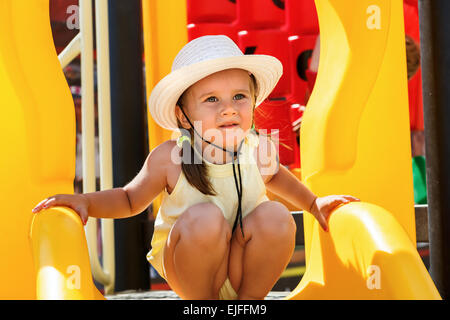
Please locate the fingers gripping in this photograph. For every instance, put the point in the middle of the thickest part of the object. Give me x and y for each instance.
(69, 201)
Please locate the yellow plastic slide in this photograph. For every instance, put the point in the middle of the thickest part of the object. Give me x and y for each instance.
(355, 140)
(37, 130)
(61, 257)
(165, 33)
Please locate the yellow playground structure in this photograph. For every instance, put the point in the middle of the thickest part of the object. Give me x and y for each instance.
(370, 251)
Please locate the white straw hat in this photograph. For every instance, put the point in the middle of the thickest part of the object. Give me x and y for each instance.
(200, 58)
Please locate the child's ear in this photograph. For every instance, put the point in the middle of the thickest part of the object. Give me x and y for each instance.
(181, 118)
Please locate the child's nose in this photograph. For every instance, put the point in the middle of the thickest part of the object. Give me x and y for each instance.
(228, 109)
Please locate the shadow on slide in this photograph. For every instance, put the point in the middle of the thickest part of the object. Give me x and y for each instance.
(366, 255)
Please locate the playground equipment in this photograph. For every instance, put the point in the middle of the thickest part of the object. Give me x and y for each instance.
(420, 183)
(362, 78)
(369, 252)
(162, 20)
(38, 135)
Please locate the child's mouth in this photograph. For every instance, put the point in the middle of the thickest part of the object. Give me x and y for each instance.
(229, 126)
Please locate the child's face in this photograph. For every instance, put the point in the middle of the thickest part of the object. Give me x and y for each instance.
(221, 98)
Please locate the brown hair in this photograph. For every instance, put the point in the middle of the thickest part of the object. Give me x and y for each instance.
(193, 167)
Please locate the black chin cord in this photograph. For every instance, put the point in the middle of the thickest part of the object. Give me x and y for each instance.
(238, 185)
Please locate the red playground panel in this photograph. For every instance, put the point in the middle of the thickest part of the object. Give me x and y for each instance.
(285, 29)
(411, 15)
(296, 112)
(260, 14)
(301, 17)
(415, 102)
(300, 51)
(271, 42)
(274, 117)
(216, 11)
(203, 29)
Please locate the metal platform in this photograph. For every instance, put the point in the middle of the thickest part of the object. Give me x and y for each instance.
(170, 295)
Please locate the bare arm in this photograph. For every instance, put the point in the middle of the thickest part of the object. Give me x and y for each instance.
(120, 202)
(137, 195)
(285, 184)
(278, 179)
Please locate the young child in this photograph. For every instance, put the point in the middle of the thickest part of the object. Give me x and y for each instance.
(217, 235)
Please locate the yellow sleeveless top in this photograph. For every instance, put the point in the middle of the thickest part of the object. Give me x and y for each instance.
(221, 176)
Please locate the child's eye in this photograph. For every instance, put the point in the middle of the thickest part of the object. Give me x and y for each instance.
(211, 99)
(239, 96)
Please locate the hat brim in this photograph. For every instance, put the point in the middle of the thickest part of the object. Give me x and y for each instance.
(266, 69)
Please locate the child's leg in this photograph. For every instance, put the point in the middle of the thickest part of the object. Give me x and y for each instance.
(257, 261)
(196, 252)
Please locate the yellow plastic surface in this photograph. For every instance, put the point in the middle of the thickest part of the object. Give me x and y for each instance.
(37, 130)
(355, 140)
(165, 33)
(61, 256)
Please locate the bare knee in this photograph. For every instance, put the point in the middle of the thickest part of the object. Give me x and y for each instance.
(205, 226)
(274, 221)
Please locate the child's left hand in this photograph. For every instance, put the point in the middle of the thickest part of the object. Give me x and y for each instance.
(323, 207)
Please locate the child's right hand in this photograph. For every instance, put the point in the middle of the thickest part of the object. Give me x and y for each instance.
(77, 202)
